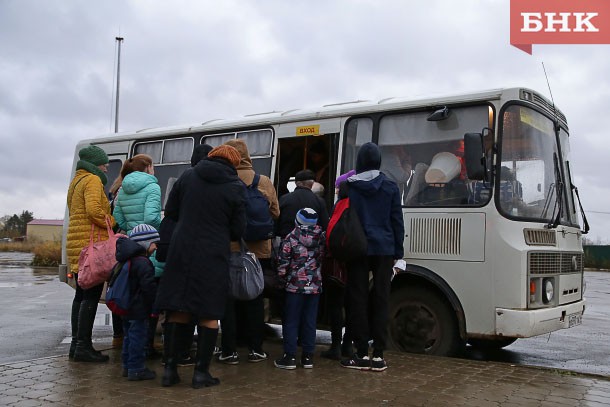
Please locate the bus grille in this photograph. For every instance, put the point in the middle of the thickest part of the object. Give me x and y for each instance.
(540, 237)
(553, 263)
(436, 236)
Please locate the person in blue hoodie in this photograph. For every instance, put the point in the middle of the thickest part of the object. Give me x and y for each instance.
(376, 200)
(142, 290)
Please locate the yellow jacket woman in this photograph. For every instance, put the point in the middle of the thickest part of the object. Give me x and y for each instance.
(87, 205)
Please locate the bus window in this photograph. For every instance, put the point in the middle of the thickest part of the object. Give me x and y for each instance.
(176, 151)
(114, 168)
(217, 139)
(413, 148)
(152, 148)
(358, 132)
(259, 142)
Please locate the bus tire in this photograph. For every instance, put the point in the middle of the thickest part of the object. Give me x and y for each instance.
(490, 344)
(420, 321)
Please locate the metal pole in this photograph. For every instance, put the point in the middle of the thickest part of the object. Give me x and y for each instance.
(118, 82)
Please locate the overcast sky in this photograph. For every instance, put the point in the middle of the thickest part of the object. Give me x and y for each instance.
(184, 62)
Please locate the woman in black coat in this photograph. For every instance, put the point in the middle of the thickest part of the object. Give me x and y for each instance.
(208, 204)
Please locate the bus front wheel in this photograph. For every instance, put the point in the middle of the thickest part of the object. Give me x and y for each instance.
(420, 321)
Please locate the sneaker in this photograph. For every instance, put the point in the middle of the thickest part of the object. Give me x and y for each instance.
(378, 364)
(287, 362)
(257, 356)
(230, 359)
(145, 374)
(356, 362)
(307, 360)
(217, 351)
(186, 360)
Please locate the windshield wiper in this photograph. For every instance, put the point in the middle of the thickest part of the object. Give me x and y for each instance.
(558, 207)
(582, 211)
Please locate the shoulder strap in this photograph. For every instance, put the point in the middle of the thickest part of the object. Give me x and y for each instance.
(255, 181)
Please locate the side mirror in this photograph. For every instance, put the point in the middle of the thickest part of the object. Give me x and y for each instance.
(474, 156)
(439, 114)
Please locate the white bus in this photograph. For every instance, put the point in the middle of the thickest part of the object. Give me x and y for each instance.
(493, 242)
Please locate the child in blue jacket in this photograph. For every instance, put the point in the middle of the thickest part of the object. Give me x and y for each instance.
(300, 262)
(142, 289)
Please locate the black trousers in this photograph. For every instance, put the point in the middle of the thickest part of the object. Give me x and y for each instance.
(362, 305)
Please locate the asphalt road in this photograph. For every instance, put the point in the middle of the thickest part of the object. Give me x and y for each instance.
(35, 318)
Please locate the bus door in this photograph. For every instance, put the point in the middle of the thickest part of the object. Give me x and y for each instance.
(317, 153)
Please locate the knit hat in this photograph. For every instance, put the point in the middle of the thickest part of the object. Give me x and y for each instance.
(200, 152)
(227, 152)
(94, 155)
(369, 158)
(343, 177)
(305, 175)
(306, 217)
(144, 235)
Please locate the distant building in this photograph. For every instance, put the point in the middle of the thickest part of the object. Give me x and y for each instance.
(44, 229)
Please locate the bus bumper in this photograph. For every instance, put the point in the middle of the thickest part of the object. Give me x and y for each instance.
(528, 323)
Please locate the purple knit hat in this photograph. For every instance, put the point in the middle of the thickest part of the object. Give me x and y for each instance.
(344, 177)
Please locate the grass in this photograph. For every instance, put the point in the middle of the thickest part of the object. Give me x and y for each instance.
(46, 254)
(26, 247)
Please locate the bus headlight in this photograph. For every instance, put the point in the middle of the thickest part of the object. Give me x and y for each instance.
(548, 291)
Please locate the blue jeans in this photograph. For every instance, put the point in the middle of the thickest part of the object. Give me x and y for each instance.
(134, 342)
(300, 315)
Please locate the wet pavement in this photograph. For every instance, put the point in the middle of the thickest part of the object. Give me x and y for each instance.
(35, 323)
(411, 380)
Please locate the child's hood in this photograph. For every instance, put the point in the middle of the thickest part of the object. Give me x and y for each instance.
(309, 236)
(127, 248)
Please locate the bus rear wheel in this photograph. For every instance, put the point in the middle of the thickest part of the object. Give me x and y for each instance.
(421, 322)
(490, 344)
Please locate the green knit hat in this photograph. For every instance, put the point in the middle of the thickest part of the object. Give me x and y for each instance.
(94, 155)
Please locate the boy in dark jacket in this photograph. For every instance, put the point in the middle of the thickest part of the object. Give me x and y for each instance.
(142, 289)
(376, 200)
(300, 261)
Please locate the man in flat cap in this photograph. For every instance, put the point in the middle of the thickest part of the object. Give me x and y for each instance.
(301, 197)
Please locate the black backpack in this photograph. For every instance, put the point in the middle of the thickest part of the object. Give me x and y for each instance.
(259, 223)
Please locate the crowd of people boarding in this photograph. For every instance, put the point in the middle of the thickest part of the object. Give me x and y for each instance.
(179, 263)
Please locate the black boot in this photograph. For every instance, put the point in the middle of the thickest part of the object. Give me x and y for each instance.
(84, 351)
(173, 339)
(151, 352)
(74, 325)
(206, 341)
(347, 349)
(334, 352)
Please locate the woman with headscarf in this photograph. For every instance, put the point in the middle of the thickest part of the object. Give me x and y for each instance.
(207, 203)
(87, 205)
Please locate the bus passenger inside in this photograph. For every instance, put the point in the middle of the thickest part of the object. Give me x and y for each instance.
(396, 165)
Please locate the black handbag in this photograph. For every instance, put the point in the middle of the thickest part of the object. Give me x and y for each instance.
(245, 274)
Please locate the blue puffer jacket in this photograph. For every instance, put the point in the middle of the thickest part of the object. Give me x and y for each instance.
(138, 201)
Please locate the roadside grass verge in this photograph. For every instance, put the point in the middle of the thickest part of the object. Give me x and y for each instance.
(46, 254)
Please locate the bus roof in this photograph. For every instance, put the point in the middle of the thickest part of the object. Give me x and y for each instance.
(323, 112)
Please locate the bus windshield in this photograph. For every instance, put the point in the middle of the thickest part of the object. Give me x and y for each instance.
(530, 177)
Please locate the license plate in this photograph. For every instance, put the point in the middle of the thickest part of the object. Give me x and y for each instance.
(574, 319)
